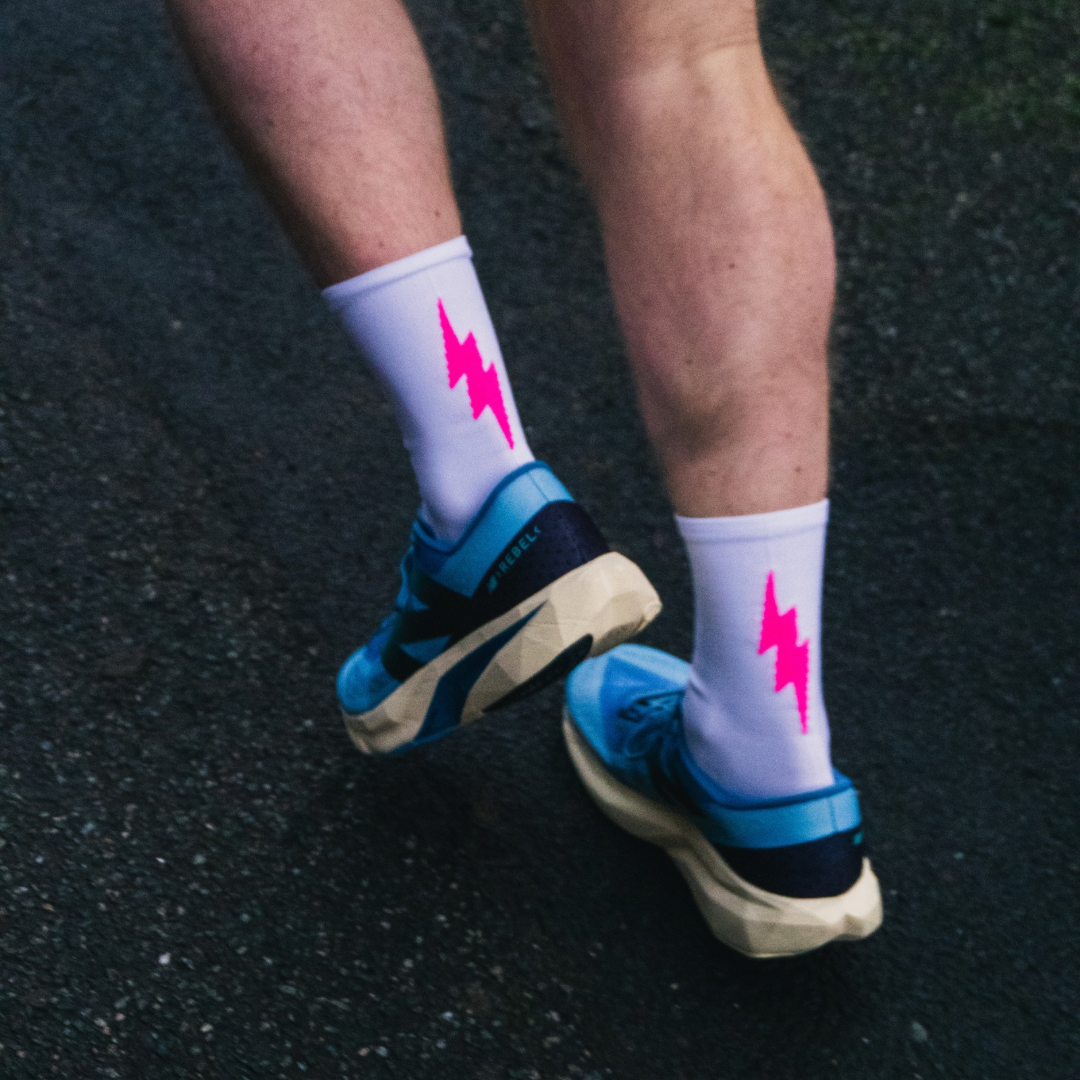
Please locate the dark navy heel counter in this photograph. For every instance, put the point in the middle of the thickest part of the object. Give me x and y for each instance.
(559, 538)
(825, 867)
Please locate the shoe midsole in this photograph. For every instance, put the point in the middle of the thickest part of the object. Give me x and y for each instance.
(608, 598)
(742, 915)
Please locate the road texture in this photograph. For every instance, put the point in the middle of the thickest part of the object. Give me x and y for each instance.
(203, 501)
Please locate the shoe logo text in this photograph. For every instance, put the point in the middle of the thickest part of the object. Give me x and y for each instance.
(517, 549)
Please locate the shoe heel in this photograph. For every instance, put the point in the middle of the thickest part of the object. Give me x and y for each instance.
(584, 613)
(759, 924)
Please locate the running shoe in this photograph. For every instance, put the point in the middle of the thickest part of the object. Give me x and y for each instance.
(772, 878)
(528, 592)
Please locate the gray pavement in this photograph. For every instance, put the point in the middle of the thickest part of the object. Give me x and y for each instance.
(203, 500)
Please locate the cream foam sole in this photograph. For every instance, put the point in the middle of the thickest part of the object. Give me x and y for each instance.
(756, 923)
(608, 600)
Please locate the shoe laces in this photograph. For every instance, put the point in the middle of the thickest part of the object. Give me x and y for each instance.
(652, 707)
(654, 739)
(653, 731)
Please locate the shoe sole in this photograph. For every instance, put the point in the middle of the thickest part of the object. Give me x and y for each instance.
(759, 924)
(583, 613)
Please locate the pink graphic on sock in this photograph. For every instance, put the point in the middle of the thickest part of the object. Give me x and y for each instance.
(792, 659)
(463, 358)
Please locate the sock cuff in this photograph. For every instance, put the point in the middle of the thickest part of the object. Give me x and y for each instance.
(337, 296)
(719, 530)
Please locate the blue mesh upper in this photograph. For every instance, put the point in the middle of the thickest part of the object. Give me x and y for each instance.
(628, 706)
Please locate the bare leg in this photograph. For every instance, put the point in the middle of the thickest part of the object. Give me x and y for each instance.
(331, 105)
(718, 241)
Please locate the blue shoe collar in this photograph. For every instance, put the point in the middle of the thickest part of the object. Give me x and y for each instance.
(423, 534)
(514, 500)
(732, 800)
(705, 788)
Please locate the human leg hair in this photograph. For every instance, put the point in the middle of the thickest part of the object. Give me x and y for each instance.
(718, 241)
(331, 106)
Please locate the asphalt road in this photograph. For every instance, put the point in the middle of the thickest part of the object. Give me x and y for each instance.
(203, 500)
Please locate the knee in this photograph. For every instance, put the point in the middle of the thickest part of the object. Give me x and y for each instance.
(620, 65)
(605, 44)
(649, 38)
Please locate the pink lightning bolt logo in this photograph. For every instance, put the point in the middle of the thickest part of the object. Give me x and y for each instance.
(463, 358)
(792, 659)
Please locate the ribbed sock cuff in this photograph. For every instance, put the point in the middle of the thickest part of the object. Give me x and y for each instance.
(753, 526)
(337, 296)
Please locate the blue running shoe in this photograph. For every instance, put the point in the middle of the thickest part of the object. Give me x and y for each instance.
(772, 878)
(529, 591)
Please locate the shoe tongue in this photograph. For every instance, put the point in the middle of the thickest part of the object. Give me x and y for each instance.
(625, 682)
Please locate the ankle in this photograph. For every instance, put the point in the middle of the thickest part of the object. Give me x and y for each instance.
(754, 715)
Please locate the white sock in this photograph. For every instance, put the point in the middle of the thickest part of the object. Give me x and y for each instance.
(423, 325)
(754, 712)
